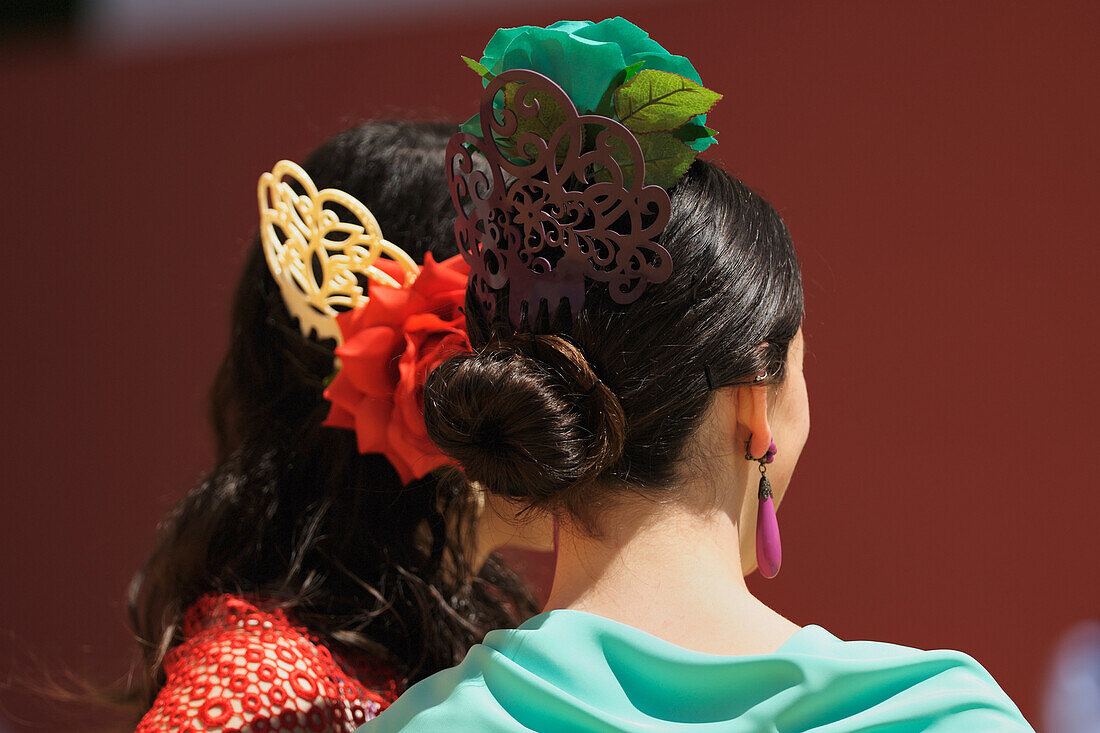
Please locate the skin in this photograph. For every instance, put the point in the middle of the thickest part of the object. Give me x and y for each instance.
(642, 571)
(502, 524)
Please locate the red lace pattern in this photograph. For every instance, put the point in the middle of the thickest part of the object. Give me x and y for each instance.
(243, 668)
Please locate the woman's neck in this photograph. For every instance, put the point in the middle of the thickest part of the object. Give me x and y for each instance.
(670, 572)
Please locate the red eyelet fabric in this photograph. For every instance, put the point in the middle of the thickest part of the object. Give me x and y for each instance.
(245, 668)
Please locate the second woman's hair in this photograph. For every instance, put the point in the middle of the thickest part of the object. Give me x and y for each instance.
(291, 510)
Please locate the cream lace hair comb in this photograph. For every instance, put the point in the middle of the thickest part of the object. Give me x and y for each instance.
(314, 256)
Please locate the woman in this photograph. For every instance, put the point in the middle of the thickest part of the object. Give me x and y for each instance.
(314, 573)
(637, 373)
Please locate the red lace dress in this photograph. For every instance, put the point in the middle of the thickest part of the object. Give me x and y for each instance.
(244, 667)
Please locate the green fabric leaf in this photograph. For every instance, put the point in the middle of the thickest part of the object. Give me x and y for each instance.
(480, 69)
(693, 131)
(631, 71)
(695, 136)
(658, 101)
(606, 107)
(472, 126)
(666, 159)
(549, 118)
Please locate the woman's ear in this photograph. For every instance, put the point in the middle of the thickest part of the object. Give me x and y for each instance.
(752, 417)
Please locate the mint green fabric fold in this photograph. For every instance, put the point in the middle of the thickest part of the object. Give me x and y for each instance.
(572, 671)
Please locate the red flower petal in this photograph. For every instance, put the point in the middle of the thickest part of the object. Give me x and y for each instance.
(446, 276)
(372, 416)
(390, 346)
(386, 305)
(391, 268)
(411, 457)
(338, 417)
(406, 403)
(425, 323)
(368, 360)
(344, 397)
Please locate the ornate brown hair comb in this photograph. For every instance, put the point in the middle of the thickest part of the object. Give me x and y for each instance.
(561, 201)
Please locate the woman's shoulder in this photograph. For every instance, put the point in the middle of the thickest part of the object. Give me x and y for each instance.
(243, 660)
(939, 687)
(577, 671)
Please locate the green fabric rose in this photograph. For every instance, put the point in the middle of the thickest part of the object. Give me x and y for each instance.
(585, 59)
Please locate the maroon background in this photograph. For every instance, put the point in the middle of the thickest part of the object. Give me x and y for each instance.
(936, 165)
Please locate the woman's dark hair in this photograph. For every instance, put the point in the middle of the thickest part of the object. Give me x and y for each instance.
(291, 510)
(580, 410)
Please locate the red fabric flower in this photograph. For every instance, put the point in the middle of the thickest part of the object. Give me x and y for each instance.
(390, 346)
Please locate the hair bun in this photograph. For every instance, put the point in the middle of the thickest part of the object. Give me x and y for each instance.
(528, 427)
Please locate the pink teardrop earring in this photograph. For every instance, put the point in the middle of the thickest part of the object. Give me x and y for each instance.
(769, 550)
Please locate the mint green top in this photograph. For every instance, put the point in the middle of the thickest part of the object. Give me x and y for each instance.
(574, 671)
